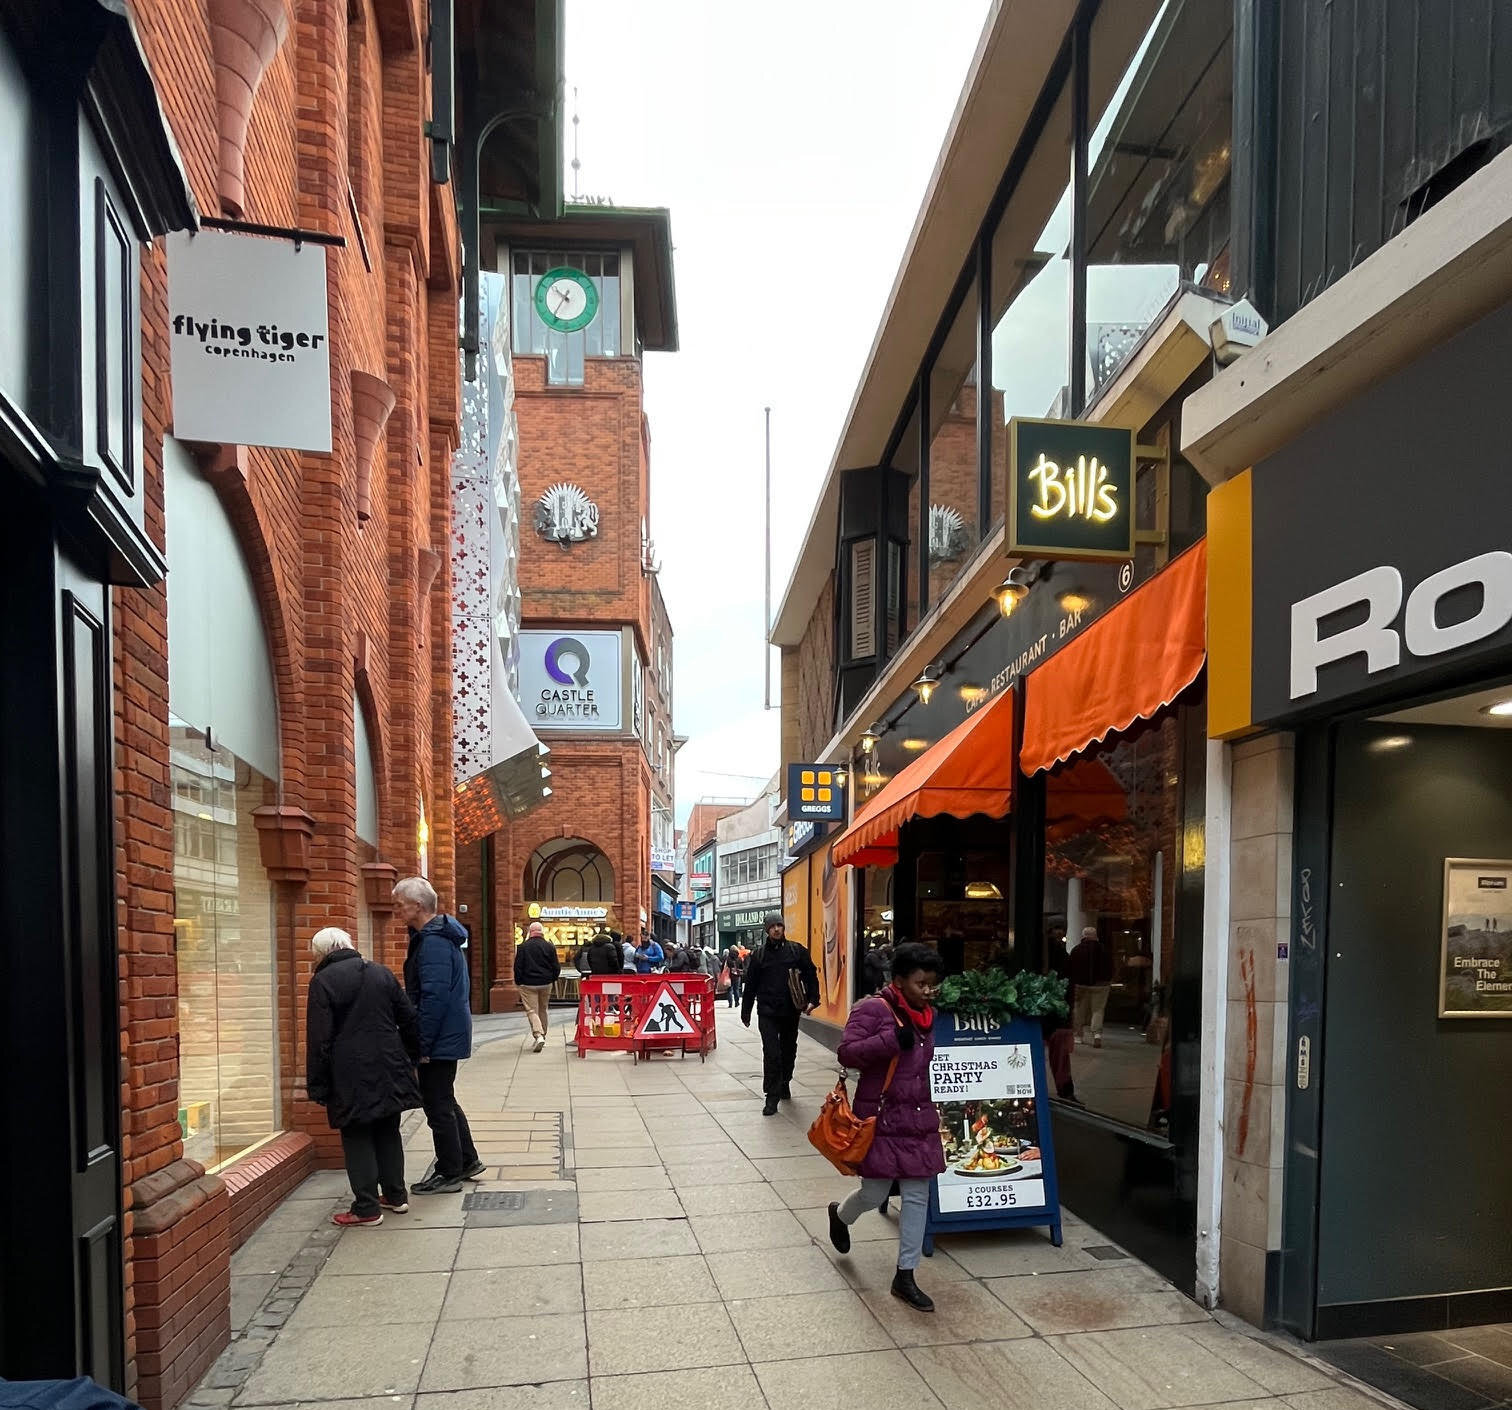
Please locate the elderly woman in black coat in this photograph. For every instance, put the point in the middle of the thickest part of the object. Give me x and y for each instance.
(362, 1044)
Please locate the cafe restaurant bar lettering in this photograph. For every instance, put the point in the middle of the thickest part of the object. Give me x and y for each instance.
(1070, 490)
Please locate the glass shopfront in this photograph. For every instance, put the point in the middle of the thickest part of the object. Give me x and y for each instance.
(224, 940)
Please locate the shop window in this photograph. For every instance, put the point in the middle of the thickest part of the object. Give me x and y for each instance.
(1113, 863)
(560, 336)
(961, 896)
(569, 869)
(225, 951)
(1158, 210)
(1031, 290)
(951, 533)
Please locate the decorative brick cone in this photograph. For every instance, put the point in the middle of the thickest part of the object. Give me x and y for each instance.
(245, 36)
(429, 563)
(372, 401)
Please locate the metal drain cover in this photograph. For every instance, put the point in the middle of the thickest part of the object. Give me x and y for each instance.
(1105, 1252)
(493, 1200)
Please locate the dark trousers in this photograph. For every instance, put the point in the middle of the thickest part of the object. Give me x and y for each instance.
(455, 1151)
(733, 996)
(779, 1050)
(374, 1154)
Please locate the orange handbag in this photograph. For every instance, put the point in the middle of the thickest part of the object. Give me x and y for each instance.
(838, 1134)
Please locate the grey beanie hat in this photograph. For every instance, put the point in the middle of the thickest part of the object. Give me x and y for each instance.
(773, 918)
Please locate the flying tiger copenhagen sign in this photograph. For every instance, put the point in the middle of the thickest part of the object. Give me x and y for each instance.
(1070, 490)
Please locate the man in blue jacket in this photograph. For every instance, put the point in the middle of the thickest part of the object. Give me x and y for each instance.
(648, 955)
(435, 976)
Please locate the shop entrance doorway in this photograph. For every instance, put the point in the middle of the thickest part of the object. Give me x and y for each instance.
(61, 1300)
(1416, 974)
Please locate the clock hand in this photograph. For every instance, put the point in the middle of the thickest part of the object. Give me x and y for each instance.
(563, 299)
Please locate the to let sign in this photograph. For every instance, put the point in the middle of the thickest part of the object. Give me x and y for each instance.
(1070, 490)
(815, 792)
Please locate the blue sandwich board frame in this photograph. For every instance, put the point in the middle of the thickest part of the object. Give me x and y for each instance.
(970, 1056)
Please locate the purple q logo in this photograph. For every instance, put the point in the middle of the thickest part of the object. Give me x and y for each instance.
(567, 646)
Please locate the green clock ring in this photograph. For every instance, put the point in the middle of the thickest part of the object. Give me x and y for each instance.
(566, 299)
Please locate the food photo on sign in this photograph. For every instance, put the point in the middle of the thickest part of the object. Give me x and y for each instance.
(989, 1127)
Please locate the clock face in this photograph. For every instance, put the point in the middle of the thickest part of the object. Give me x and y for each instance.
(566, 300)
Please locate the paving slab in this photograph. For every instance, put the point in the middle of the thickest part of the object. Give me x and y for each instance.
(554, 1395)
(806, 1324)
(775, 1228)
(390, 1250)
(1006, 1375)
(335, 1363)
(1097, 1301)
(728, 1387)
(623, 1283)
(478, 1294)
(336, 1299)
(882, 1379)
(757, 1272)
(506, 1351)
(623, 1342)
(519, 1246)
(611, 1181)
(629, 1204)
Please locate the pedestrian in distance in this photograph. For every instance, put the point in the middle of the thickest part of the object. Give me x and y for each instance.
(627, 949)
(1091, 970)
(889, 1039)
(781, 985)
(649, 956)
(874, 964)
(735, 959)
(603, 955)
(435, 978)
(536, 970)
(361, 1043)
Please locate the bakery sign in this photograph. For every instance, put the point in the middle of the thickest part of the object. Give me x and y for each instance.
(249, 340)
(1070, 490)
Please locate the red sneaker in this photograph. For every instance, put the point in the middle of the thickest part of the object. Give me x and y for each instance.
(347, 1220)
(401, 1207)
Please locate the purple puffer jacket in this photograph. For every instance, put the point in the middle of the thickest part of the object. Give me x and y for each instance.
(907, 1143)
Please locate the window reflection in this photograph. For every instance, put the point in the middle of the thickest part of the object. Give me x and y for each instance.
(1158, 208)
(962, 901)
(224, 950)
(952, 530)
(1112, 863)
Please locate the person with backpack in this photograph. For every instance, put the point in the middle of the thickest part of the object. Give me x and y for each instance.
(735, 959)
(362, 1041)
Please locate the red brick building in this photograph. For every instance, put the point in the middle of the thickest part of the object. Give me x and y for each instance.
(248, 726)
(588, 294)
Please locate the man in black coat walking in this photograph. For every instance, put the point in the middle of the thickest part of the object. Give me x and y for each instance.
(362, 1041)
(778, 972)
(536, 971)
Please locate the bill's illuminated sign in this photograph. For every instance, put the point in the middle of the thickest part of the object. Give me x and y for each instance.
(1070, 490)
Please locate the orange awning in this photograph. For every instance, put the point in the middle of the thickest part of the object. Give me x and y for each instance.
(1128, 664)
(969, 771)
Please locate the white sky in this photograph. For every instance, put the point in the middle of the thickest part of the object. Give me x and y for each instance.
(792, 142)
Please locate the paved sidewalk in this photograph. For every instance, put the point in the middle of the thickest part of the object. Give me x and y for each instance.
(655, 1242)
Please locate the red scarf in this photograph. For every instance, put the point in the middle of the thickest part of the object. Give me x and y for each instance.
(923, 1019)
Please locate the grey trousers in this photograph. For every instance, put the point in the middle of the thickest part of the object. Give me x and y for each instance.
(914, 1195)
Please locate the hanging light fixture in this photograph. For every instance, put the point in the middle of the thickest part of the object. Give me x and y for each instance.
(869, 738)
(841, 773)
(1012, 590)
(924, 687)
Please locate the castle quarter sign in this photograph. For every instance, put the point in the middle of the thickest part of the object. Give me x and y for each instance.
(1070, 490)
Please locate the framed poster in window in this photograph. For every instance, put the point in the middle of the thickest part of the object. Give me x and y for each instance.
(1475, 957)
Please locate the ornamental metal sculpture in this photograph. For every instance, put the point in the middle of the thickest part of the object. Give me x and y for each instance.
(565, 515)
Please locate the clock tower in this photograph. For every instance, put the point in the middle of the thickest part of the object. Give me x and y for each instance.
(588, 295)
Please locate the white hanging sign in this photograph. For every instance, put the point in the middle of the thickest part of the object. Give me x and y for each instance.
(250, 341)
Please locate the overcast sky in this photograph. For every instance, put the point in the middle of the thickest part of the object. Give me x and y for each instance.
(792, 142)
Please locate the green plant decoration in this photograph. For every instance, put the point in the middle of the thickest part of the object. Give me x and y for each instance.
(1000, 997)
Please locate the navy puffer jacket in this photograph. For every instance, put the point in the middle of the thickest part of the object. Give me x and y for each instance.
(435, 977)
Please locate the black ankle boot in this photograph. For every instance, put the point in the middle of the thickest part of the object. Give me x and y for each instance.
(839, 1231)
(770, 1109)
(906, 1290)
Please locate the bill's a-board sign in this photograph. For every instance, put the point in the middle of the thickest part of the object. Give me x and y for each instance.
(988, 1084)
(1070, 490)
(1371, 556)
(815, 792)
(571, 680)
(249, 341)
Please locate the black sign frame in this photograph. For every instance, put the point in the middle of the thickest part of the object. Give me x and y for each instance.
(1062, 443)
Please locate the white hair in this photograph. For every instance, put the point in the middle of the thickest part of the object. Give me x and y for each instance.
(324, 941)
(418, 890)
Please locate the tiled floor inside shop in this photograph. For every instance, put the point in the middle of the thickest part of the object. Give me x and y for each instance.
(645, 1238)
(1468, 1369)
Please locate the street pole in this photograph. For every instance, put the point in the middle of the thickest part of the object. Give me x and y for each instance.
(766, 601)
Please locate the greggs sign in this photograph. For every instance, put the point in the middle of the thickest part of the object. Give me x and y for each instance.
(1070, 491)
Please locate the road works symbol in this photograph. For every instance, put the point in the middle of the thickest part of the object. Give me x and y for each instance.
(666, 1017)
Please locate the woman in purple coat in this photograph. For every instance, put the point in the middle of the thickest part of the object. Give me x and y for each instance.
(896, 1027)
